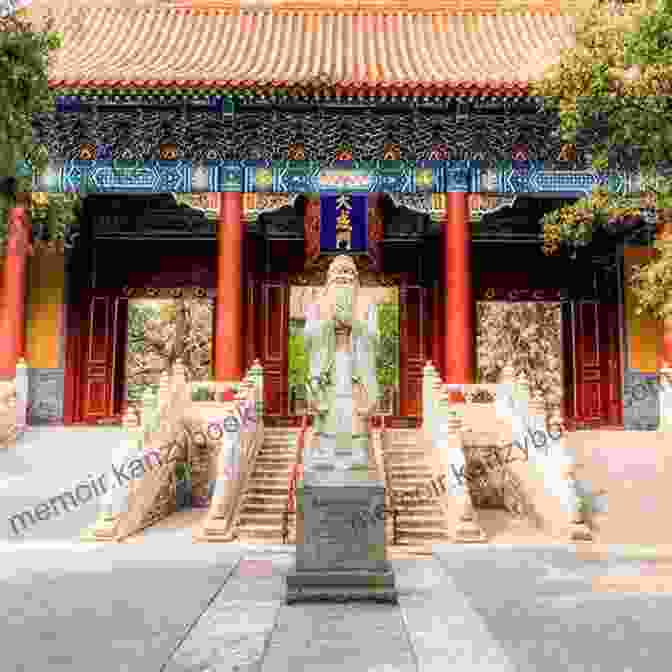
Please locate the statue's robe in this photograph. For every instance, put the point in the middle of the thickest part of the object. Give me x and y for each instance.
(342, 382)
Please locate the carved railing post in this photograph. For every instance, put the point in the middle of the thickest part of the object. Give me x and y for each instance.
(451, 446)
(565, 461)
(21, 397)
(115, 502)
(147, 413)
(428, 410)
(435, 395)
(218, 521)
(665, 400)
(257, 375)
(522, 393)
(181, 391)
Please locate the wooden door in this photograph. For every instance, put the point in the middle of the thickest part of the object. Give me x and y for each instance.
(413, 336)
(596, 364)
(275, 336)
(103, 369)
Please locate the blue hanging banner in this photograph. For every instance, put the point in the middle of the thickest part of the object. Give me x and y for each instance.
(327, 222)
(344, 222)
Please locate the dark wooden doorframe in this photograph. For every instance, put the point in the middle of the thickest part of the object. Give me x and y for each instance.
(414, 335)
(102, 359)
(591, 347)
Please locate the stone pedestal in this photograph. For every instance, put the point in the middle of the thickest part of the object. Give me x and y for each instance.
(340, 550)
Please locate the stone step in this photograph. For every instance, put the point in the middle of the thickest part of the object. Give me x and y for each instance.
(271, 475)
(426, 509)
(419, 463)
(419, 525)
(405, 477)
(408, 551)
(272, 481)
(273, 468)
(281, 431)
(415, 536)
(260, 529)
(398, 451)
(268, 489)
(406, 467)
(265, 507)
(410, 481)
(256, 518)
(262, 497)
(411, 516)
(272, 460)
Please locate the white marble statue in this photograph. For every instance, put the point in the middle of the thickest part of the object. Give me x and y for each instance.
(343, 388)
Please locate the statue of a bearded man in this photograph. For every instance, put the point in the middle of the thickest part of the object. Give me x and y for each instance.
(343, 389)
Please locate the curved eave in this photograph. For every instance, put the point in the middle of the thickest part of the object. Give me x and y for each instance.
(344, 89)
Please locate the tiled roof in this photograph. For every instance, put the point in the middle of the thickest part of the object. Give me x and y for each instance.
(152, 44)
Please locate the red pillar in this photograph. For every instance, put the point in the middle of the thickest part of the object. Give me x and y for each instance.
(229, 309)
(459, 337)
(13, 318)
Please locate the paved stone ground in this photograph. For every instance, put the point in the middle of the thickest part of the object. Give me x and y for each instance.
(166, 604)
(46, 462)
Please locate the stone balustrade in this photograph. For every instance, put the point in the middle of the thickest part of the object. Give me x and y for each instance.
(146, 454)
(504, 408)
(236, 455)
(8, 413)
(14, 406)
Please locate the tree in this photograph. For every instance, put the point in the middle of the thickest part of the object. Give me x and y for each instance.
(24, 92)
(618, 79)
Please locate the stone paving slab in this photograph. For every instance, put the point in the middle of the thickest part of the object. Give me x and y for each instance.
(233, 633)
(328, 637)
(542, 607)
(446, 633)
(116, 608)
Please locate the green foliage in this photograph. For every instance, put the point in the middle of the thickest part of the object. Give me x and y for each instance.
(596, 81)
(58, 214)
(387, 360)
(24, 91)
(298, 361)
(387, 356)
(138, 315)
(620, 72)
(182, 471)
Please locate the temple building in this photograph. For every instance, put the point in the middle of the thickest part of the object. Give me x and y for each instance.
(228, 150)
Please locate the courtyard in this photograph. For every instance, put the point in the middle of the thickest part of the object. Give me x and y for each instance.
(162, 602)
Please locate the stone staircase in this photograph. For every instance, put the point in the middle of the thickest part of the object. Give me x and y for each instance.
(419, 524)
(260, 519)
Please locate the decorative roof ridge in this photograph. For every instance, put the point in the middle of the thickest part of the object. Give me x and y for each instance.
(383, 7)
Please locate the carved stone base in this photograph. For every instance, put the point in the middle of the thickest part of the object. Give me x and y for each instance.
(580, 532)
(341, 586)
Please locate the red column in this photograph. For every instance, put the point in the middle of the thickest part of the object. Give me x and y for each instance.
(459, 343)
(12, 320)
(229, 309)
